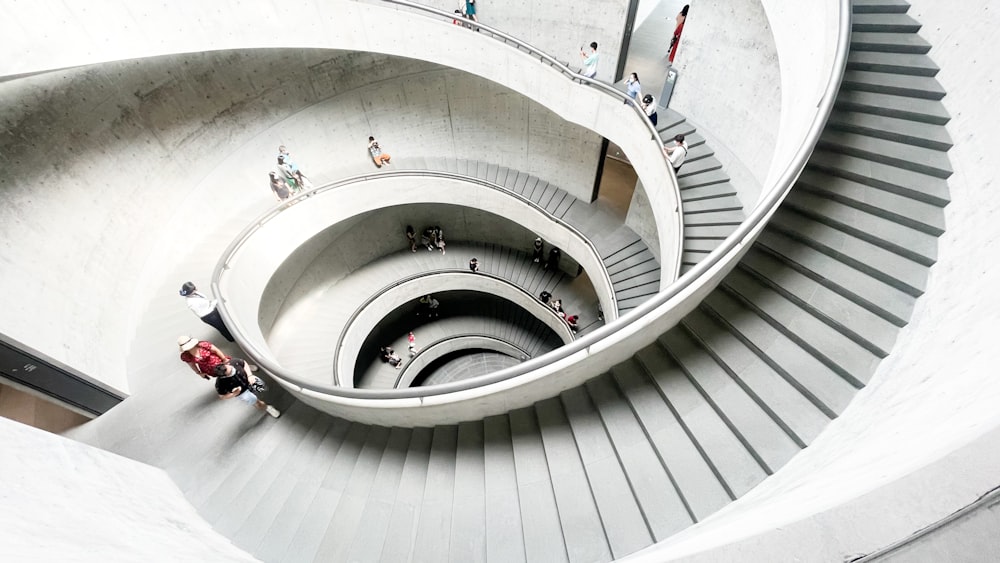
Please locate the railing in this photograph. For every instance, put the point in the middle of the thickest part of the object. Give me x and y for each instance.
(723, 257)
(378, 294)
(424, 350)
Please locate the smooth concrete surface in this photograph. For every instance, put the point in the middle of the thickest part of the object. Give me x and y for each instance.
(938, 389)
(66, 501)
(730, 83)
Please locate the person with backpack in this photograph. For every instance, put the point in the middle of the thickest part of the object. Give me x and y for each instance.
(233, 380)
(676, 153)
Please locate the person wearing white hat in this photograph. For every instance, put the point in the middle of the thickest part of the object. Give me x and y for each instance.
(200, 355)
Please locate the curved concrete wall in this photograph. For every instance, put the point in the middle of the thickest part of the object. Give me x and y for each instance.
(919, 441)
(117, 174)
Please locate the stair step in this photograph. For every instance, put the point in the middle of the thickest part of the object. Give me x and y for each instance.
(892, 63)
(468, 518)
(654, 488)
(505, 540)
(843, 355)
(877, 262)
(801, 418)
(909, 157)
(879, 6)
(764, 438)
(275, 541)
(624, 525)
(875, 295)
(543, 533)
(908, 183)
(900, 239)
(433, 537)
(852, 319)
(699, 180)
(891, 105)
(700, 166)
(815, 380)
(343, 525)
(581, 521)
(904, 131)
(722, 203)
(714, 218)
(918, 215)
(315, 519)
(725, 189)
(924, 87)
(884, 23)
(401, 523)
(713, 232)
(889, 42)
(736, 466)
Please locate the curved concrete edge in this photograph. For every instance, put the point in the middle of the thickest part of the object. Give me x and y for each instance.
(244, 277)
(389, 299)
(185, 26)
(435, 350)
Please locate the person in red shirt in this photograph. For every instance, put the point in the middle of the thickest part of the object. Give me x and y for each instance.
(201, 356)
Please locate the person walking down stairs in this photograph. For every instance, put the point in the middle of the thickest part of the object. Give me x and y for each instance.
(233, 380)
(205, 308)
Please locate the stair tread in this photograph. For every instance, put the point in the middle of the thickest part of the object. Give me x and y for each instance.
(918, 214)
(905, 107)
(893, 42)
(896, 180)
(888, 83)
(900, 63)
(919, 159)
(927, 135)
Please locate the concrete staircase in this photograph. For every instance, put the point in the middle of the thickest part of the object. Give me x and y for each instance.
(661, 441)
(711, 206)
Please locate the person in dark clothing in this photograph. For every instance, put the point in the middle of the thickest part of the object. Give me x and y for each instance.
(544, 297)
(553, 262)
(411, 237)
(474, 265)
(536, 251)
(234, 380)
(205, 308)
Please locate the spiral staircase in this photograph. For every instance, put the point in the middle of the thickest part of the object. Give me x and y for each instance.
(662, 440)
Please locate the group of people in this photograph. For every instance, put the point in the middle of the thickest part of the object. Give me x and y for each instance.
(556, 305)
(233, 376)
(288, 179)
(538, 251)
(388, 355)
(466, 12)
(432, 238)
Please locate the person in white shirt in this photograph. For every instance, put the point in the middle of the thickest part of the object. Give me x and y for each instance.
(649, 106)
(205, 308)
(676, 153)
(589, 61)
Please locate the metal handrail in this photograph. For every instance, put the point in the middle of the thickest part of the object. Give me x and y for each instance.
(378, 294)
(440, 341)
(730, 247)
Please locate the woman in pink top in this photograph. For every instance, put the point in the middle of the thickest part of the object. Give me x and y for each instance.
(201, 356)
